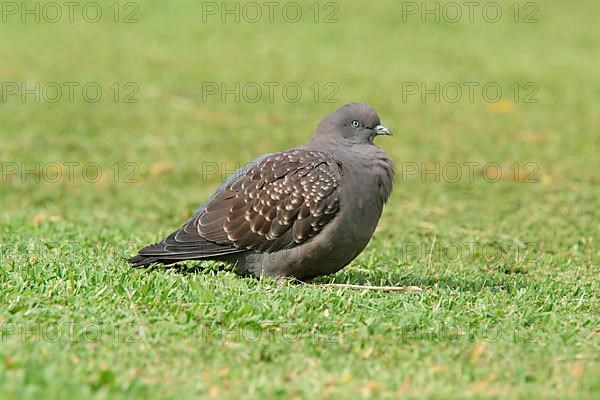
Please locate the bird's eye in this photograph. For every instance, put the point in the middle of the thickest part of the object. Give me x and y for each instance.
(355, 124)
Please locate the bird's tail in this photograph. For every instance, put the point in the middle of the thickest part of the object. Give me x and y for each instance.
(162, 253)
(142, 261)
(171, 251)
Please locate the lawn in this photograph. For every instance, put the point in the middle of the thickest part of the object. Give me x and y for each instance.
(495, 214)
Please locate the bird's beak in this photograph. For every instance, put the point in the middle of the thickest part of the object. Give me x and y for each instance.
(382, 130)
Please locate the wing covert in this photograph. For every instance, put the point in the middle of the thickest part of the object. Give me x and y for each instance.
(281, 202)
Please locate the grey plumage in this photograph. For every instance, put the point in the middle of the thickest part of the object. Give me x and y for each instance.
(302, 212)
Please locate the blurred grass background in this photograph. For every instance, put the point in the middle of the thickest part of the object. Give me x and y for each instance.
(80, 231)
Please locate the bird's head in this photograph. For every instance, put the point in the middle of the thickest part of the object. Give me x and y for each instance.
(356, 123)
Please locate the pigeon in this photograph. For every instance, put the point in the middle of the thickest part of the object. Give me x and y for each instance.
(301, 213)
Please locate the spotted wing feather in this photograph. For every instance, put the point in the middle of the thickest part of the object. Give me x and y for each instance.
(281, 202)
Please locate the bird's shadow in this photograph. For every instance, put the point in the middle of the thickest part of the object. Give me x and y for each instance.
(360, 277)
(456, 282)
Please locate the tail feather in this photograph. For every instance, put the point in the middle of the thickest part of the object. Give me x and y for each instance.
(141, 261)
(170, 251)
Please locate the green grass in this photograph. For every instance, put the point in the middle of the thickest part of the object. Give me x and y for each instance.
(509, 270)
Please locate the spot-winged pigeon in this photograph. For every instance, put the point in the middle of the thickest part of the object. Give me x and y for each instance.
(303, 212)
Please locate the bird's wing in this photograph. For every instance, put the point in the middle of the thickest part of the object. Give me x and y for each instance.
(281, 202)
(277, 203)
(230, 180)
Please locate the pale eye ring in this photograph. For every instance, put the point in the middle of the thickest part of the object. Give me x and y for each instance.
(355, 124)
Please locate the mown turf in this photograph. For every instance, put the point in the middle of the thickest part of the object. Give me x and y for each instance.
(508, 261)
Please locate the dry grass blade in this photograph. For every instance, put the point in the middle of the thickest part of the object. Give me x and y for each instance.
(369, 287)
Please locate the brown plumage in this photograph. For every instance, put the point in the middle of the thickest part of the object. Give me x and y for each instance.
(294, 192)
